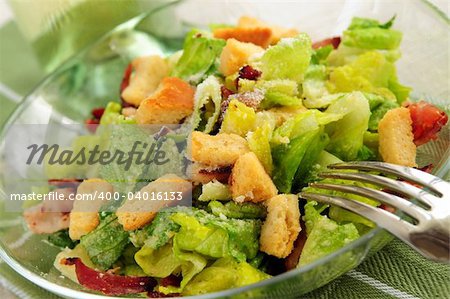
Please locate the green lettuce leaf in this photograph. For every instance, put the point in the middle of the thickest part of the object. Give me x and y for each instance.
(346, 134)
(378, 108)
(325, 235)
(112, 115)
(320, 55)
(287, 159)
(199, 58)
(215, 190)
(314, 86)
(231, 209)
(259, 143)
(289, 59)
(207, 106)
(105, 243)
(370, 34)
(239, 119)
(224, 274)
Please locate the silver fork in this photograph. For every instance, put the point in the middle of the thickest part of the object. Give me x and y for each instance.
(429, 232)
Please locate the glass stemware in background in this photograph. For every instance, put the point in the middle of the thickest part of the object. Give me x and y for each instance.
(57, 29)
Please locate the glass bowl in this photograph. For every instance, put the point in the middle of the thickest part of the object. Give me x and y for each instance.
(91, 79)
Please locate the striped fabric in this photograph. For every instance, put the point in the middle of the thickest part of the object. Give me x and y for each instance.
(394, 272)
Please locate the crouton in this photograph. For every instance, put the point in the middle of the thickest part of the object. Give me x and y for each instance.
(260, 36)
(149, 71)
(249, 181)
(396, 140)
(235, 54)
(202, 174)
(142, 208)
(172, 102)
(277, 31)
(84, 215)
(218, 150)
(282, 225)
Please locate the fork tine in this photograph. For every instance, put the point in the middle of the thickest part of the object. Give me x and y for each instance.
(433, 183)
(384, 219)
(394, 185)
(392, 200)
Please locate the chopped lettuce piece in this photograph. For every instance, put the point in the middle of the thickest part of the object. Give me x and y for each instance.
(323, 160)
(105, 243)
(322, 102)
(239, 119)
(259, 143)
(378, 108)
(370, 34)
(61, 239)
(305, 121)
(400, 91)
(346, 134)
(112, 115)
(215, 190)
(275, 98)
(314, 86)
(199, 59)
(288, 87)
(289, 59)
(224, 274)
(231, 209)
(320, 55)
(312, 153)
(365, 73)
(288, 157)
(193, 236)
(207, 99)
(325, 235)
(159, 232)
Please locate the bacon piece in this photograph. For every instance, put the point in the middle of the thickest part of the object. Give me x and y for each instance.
(107, 283)
(126, 77)
(291, 261)
(65, 183)
(171, 280)
(427, 121)
(333, 41)
(97, 113)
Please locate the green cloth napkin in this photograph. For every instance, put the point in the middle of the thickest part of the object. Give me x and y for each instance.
(394, 272)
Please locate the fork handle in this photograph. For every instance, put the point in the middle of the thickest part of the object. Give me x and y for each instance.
(434, 244)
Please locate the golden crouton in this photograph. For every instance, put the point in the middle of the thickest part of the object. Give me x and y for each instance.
(140, 210)
(256, 35)
(219, 150)
(84, 215)
(282, 225)
(235, 54)
(396, 138)
(249, 181)
(149, 71)
(170, 104)
(277, 31)
(202, 174)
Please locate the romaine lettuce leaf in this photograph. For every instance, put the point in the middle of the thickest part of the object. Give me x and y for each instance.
(112, 115)
(289, 59)
(378, 108)
(259, 143)
(370, 34)
(215, 190)
(239, 119)
(275, 98)
(231, 209)
(105, 243)
(325, 235)
(207, 99)
(224, 274)
(200, 55)
(346, 134)
(288, 157)
(314, 86)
